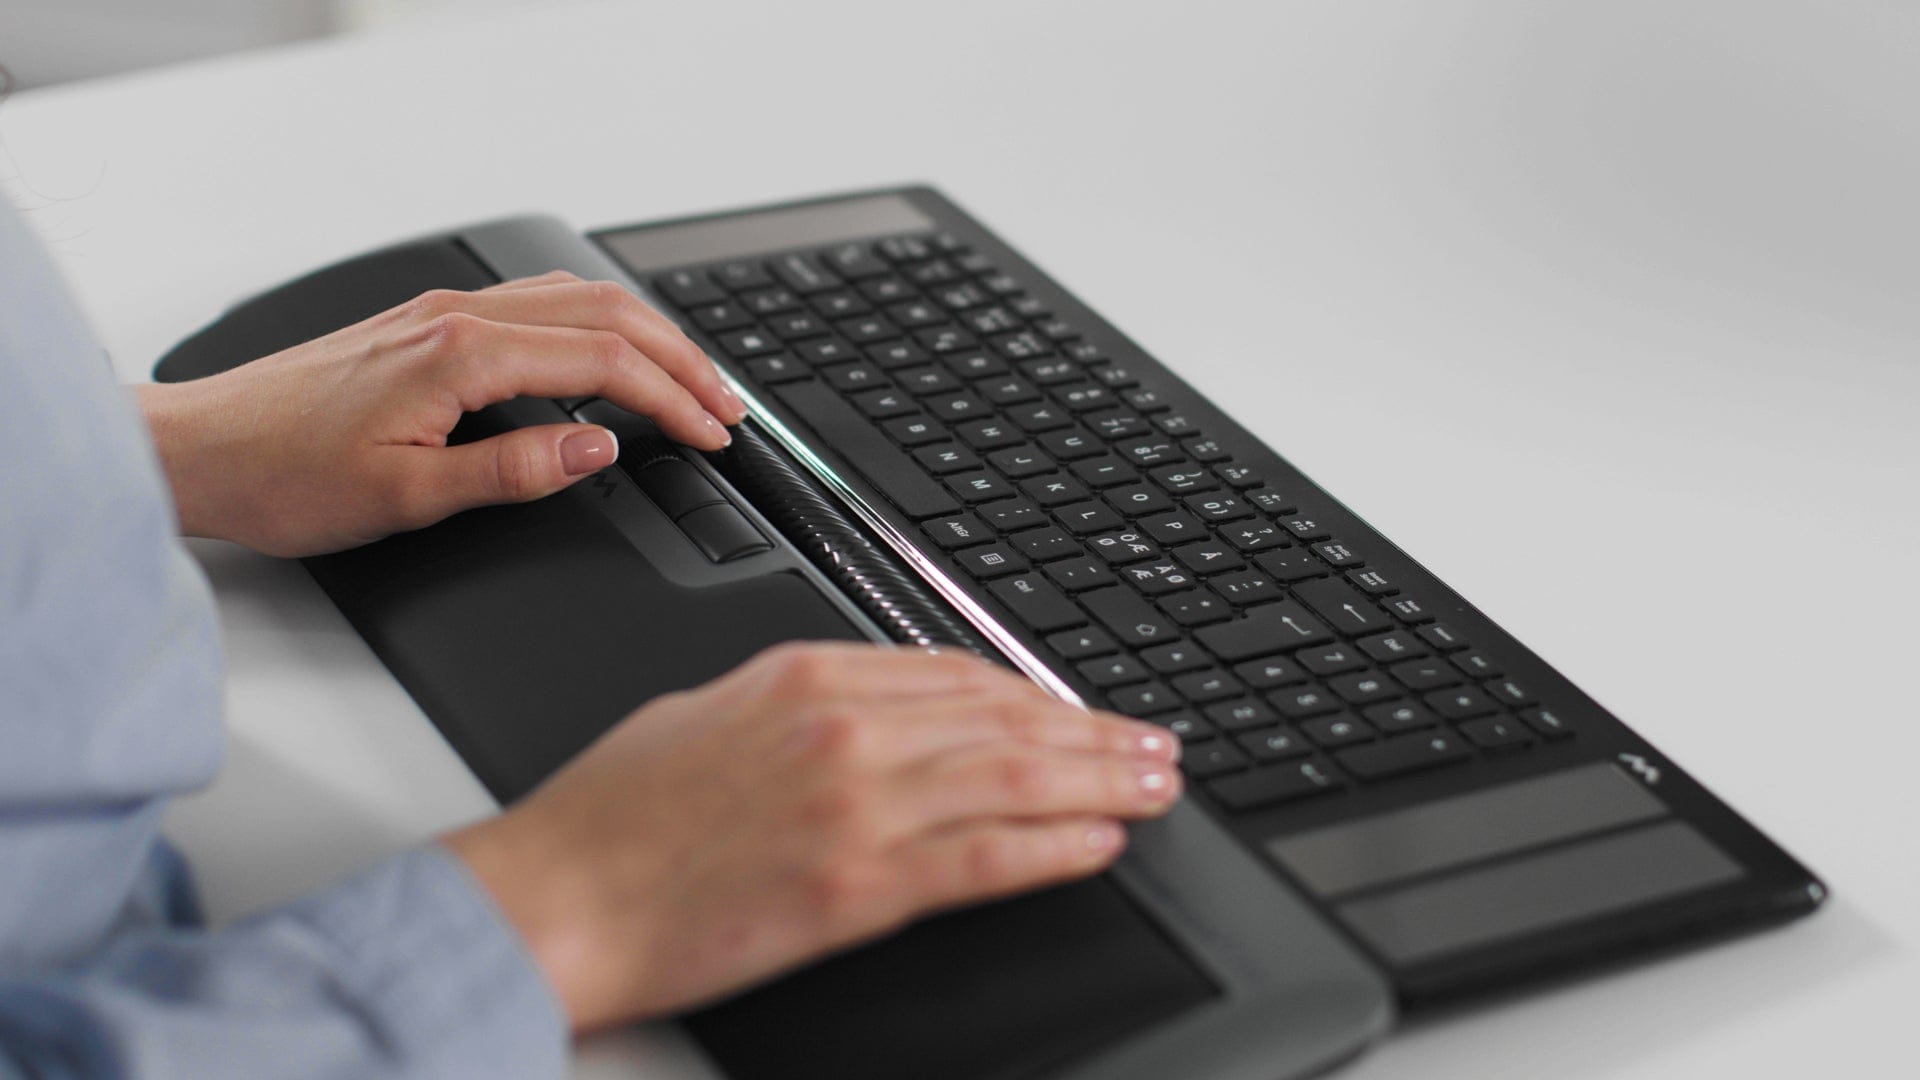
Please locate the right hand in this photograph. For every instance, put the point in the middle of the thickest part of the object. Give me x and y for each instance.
(817, 796)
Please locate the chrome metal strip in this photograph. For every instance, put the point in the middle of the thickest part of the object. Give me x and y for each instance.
(936, 578)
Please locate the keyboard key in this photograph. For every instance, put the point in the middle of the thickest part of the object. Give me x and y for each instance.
(989, 434)
(1113, 671)
(974, 365)
(1305, 528)
(1409, 610)
(991, 561)
(1262, 630)
(1269, 672)
(1240, 715)
(803, 275)
(1426, 674)
(1136, 499)
(1460, 703)
(976, 487)
(905, 249)
(770, 301)
(1247, 587)
(1330, 659)
(1397, 716)
(1301, 702)
(1276, 744)
(1104, 470)
(1476, 665)
(1547, 723)
(1372, 582)
(1143, 699)
(1037, 417)
(914, 430)
(741, 344)
(1508, 692)
(776, 369)
(853, 261)
(1238, 476)
(1363, 688)
(1071, 444)
(1337, 554)
(1178, 425)
(1442, 637)
(1051, 371)
(1079, 572)
(1132, 620)
(841, 304)
(1205, 451)
(1157, 578)
(1272, 785)
(1148, 452)
(1496, 733)
(1290, 564)
(927, 380)
(1115, 376)
(742, 275)
(946, 458)
(1022, 345)
(916, 313)
(863, 446)
(1214, 757)
(1196, 606)
(1146, 401)
(1008, 391)
(1174, 528)
(1183, 479)
(1332, 731)
(821, 352)
(1012, 515)
(1210, 684)
(1041, 545)
(859, 375)
(1086, 641)
(1391, 646)
(894, 355)
(956, 407)
(1036, 603)
(688, 288)
(1403, 754)
(944, 339)
(958, 531)
(1268, 501)
(1054, 489)
(1186, 724)
(1116, 425)
(1175, 657)
(1209, 557)
(1087, 517)
(1253, 536)
(728, 315)
(1341, 605)
(1122, 546)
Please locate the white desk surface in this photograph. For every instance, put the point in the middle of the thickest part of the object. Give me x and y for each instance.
(1609, 313)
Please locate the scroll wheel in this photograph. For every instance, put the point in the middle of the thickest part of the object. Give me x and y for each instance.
(641, 443)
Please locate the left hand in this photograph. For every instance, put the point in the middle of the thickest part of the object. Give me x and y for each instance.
(343, 440)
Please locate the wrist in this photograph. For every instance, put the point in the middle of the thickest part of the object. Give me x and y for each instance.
(551, 906)
(174, 415)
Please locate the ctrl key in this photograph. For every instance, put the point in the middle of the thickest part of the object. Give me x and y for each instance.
(1273, 784)
(723, 533)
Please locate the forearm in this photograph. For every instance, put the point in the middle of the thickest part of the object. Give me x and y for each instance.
(405, 971)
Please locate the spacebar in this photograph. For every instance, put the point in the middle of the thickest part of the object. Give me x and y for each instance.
(865, 448)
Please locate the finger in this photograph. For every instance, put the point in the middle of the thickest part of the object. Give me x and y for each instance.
(604, 305)
(1028, 782)
(991, 859)
(434, 482)
(551, 277)
(1004, 719)
(483, 362)
(848, 671)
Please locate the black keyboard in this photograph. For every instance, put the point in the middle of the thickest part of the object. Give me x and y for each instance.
(1139, 549)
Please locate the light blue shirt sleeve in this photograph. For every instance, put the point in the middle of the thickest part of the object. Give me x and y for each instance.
(109, 705)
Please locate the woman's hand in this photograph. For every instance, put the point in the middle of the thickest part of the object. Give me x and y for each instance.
(818, 796)
(343, 440)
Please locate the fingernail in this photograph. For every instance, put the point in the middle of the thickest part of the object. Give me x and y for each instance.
(1103, 838)
(726, 437)
(1157, 745)
(1155, 783)
(739, 407)
(588, 451)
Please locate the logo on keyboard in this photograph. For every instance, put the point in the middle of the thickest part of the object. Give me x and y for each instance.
(1642, 768)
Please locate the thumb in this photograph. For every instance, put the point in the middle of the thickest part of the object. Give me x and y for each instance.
(519, 465)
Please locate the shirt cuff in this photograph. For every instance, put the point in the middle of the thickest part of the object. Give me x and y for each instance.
(440, 972)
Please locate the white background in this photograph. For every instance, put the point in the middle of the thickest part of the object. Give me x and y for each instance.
(1607, 312)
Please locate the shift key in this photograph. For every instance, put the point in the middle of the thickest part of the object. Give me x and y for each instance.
(1132, 620)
